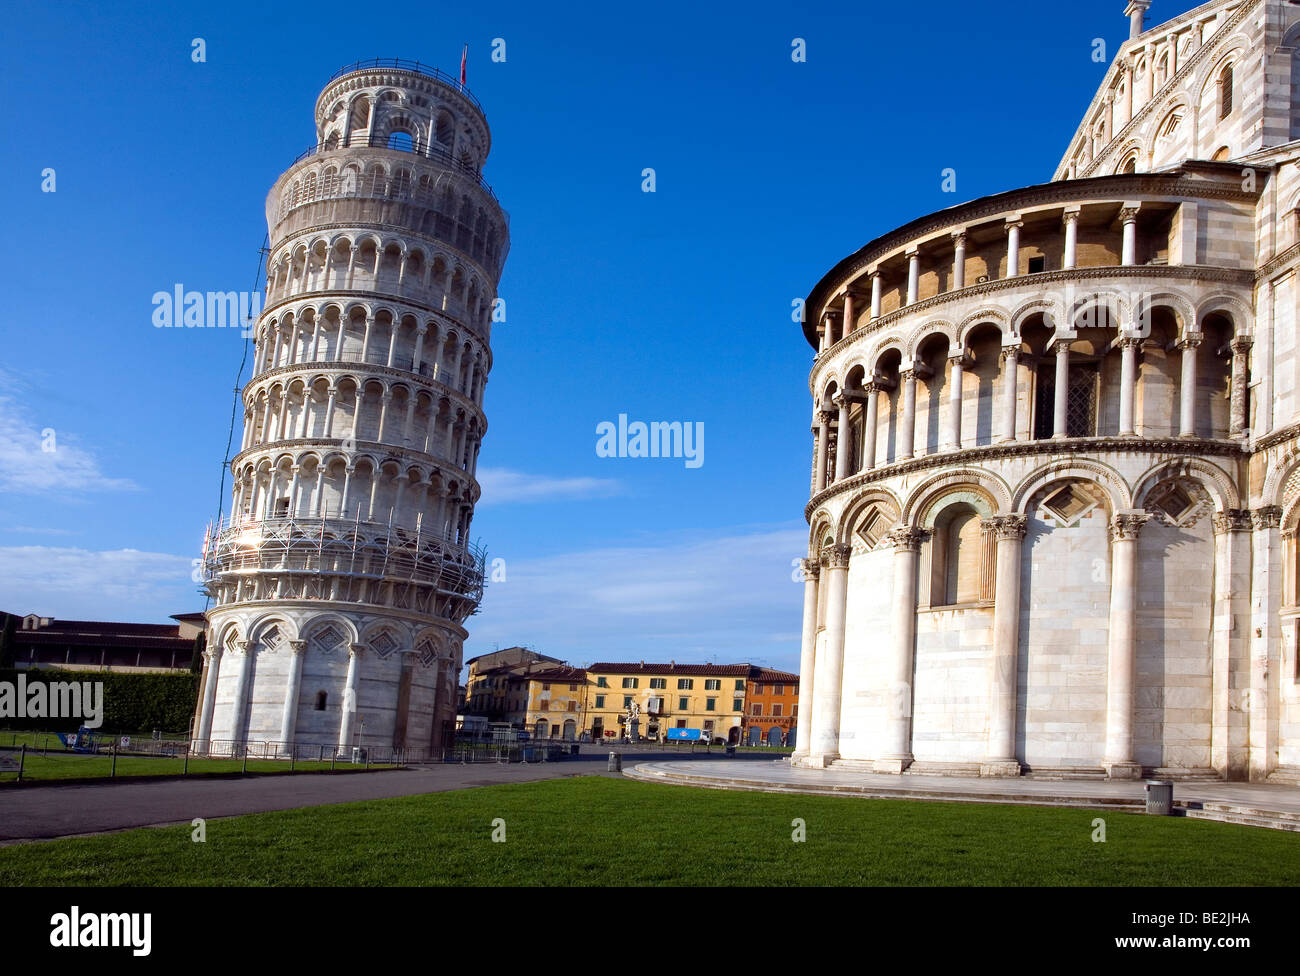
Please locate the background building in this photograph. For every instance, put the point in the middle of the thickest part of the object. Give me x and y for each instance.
(343, 577)
(96, 645)
(1056, 470)
(709, 697)
(771, 709)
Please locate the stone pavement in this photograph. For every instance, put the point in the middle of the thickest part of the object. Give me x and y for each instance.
(1257, 804)
(31, 812)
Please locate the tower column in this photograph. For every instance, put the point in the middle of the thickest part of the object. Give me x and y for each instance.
(829, 661)
(896, 753)
(875, 294)
(1060, 406)
(1239, 396)
(289, 714)
(913, 275)
(952, 426)
(1001, 758)
(212, 676)
(1128, 215)
(872, 421)
(842, 438)
(1071, 221)
(1010, 379)
(811, 569)
(419, 348)
(1128, 346)
(349, 712)
(1121, 656)
(907, 423)
(959, 259)
(822, 430)
(1013, 247)
(1187, 387)
(239, 710)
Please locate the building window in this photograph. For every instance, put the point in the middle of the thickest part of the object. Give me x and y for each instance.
(546, 686)
(1080, 402)
(776, 711)
(573, 687)
(600, 701)
(627, 701)
(780, 690)
(602, 682)
(740, 684)
(1037, 265)
(683, 704)
(709, 704)
(658, 682)
(712, 684)
(685, 684)
(573, 706)
(795, 709)
(544, 705)
(1225, 93)
(757, 709)
(681, 723)
(631, 683)
(737, 704)
(958, 557)
(321, 698)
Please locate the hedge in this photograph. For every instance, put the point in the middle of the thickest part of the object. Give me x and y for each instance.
(133, 702)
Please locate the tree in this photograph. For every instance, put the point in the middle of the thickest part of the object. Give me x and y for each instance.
(196, 661)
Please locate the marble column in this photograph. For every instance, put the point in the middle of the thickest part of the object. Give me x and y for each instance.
(212, 676)
(913, 275)
(823, 437)
(842, 451)
(1229, 723)
(872, 421)
(1266, 597)
(1013, 247)
(1001, 757)
(959, 259)
(1060, 406)
(896, 752)
(289, 714)
(829, 663)
(1187, 387)
(848, 315)
(1010, 357)
(1071, 220)
(811, 569)
(238, 711)
(1128, 216)
(1128, 346)
(875, 295)
(951, 439)
(349, 704)
(906, 446)
(1240, 394)
(1121, 657)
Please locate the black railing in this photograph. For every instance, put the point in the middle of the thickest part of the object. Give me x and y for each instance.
(421, 149)
(415, 67)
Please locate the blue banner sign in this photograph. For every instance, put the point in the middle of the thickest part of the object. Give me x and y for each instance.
(689, 735)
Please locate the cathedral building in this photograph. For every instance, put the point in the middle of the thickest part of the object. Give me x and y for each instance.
(343, 577)
(1056, 465)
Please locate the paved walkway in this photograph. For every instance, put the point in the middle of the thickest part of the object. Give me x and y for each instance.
(31, 812)
(1260, 804)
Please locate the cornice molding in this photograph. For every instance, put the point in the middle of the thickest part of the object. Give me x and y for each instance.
(1179, 446)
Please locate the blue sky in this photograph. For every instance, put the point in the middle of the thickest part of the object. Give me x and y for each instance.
(668, 306)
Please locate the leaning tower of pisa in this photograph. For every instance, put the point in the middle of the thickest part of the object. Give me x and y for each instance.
(344, 574)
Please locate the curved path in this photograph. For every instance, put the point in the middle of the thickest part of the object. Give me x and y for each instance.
(1257, 804)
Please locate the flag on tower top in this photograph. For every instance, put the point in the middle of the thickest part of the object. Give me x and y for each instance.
(463, 55)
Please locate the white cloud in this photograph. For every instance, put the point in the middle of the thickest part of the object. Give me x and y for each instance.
(501, 486)
(81, 584)
(27, 466)
(726, 597)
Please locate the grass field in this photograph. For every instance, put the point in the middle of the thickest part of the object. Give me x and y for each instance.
(64, 765)
(599, 831)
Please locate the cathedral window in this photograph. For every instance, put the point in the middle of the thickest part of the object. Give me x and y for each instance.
(957, 557)
(1225, 93)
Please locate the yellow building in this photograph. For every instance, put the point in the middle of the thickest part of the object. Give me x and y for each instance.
(707, 697)
(556, 703)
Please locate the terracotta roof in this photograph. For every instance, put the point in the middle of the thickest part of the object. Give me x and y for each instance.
(709, 670)
(559, 675)
(771, 674)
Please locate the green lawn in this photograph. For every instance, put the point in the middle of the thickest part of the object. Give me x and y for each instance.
(599, 831)
(64, 765)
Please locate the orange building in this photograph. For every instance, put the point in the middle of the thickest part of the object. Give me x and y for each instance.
(771, 708)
